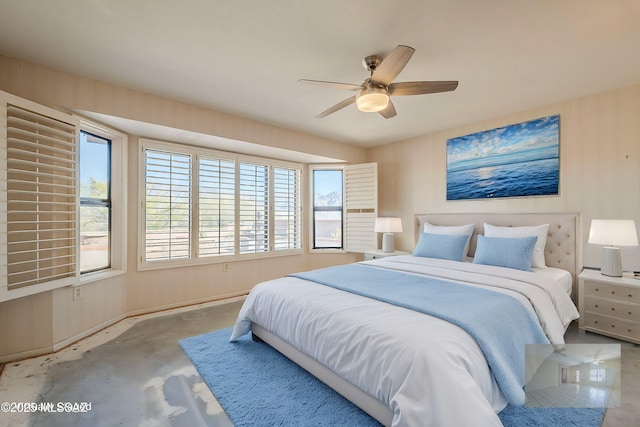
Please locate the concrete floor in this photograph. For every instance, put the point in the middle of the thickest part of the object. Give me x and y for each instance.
(135, 374)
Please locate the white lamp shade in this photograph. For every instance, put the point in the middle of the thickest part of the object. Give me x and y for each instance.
(388, 225)
(613, 232)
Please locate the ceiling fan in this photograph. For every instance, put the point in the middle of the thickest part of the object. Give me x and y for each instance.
(596, 360)
(373, 94)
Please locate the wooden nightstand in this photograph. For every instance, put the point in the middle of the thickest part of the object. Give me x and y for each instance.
(377, 253)
(609, 305)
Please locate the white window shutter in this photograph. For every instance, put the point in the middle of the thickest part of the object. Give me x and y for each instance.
(286, 208)
(167, 205)
(38, 201)
(254, 208)
(361, 206)
(217, 206)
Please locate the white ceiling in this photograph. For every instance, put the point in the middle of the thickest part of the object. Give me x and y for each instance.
(245, 57)
(575, 354)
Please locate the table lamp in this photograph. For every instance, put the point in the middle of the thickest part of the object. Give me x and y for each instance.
(388, 226)
(612, 233)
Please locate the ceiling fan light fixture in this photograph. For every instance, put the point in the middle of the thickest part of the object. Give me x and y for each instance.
(372, 99)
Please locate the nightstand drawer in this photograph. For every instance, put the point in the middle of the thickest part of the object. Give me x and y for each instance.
(613, 308)
(613, 326)
(605, 290)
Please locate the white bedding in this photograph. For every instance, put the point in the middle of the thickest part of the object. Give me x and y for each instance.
(563, 277)
(428, 371)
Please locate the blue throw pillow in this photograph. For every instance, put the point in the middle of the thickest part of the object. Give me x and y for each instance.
(444, 246)
(505, 252)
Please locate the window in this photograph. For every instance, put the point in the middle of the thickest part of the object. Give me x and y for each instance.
(95, 202)
(217, 194)
(597, 375)
(41, 198)
(345, 205)
(254, 208)
(167, 205)
(205, 206)
(103, 201)
(286, 202)
(327, 208)
(64, 203)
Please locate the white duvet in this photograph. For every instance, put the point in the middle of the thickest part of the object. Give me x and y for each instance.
(428, 371)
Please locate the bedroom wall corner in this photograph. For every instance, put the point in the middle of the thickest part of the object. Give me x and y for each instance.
(45, 321)
(599, 169)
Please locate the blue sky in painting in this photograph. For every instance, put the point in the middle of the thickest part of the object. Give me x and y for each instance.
(523, 142)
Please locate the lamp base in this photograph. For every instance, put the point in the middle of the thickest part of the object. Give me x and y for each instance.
(611, 261)
(387, 243)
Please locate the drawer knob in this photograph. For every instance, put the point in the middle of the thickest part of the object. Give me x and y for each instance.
(613, 292)
(630, 296)
(629, 313)
(597, 289)
(597, 306)
(613, 326)
(596, 322)
(613, 309)
(628, 330)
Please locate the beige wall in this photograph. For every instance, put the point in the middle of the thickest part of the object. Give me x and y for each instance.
(47, 321)
(600, 173)
(599, 169)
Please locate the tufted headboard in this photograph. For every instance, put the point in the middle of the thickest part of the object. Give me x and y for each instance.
(561, 250)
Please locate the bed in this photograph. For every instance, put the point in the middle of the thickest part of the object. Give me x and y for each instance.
(408, 365)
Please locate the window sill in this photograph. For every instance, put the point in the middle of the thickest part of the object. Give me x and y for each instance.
(327, 251)
(98, 275)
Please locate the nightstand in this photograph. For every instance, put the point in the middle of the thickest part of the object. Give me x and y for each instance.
(609, 305)
(377, 254)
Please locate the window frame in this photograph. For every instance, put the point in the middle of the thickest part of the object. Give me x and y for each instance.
(196, 153)
(96, 202)
(118, 197)
(312, 248)
(597, 375)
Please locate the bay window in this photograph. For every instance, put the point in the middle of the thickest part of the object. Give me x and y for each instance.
(201, 206)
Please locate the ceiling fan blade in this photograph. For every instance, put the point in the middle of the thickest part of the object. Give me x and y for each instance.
(392, 65)
(345, 86)
(388, 112)
(338, 106)
(421, 88)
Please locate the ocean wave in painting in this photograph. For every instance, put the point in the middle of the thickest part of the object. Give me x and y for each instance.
(532, 178)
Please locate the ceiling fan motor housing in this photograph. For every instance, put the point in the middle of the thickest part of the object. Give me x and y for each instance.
(371, 62)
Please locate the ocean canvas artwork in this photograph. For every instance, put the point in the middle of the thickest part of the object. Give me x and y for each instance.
(513, 161)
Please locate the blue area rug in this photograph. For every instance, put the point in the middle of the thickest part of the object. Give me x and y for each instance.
(257, 386)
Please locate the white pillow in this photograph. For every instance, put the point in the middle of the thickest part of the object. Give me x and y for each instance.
(452, 229)
(540, 231)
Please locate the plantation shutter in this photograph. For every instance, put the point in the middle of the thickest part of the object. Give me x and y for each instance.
(216, 211)
(361, 206)
(39, 220)
(286, 201)
(167, 205)
(254, 208)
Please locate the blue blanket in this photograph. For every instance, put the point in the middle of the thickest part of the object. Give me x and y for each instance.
(500, 324)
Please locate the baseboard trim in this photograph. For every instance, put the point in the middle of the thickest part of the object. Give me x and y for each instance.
(28, 354)
(219, 299)
(162, 310)
(86, 333)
